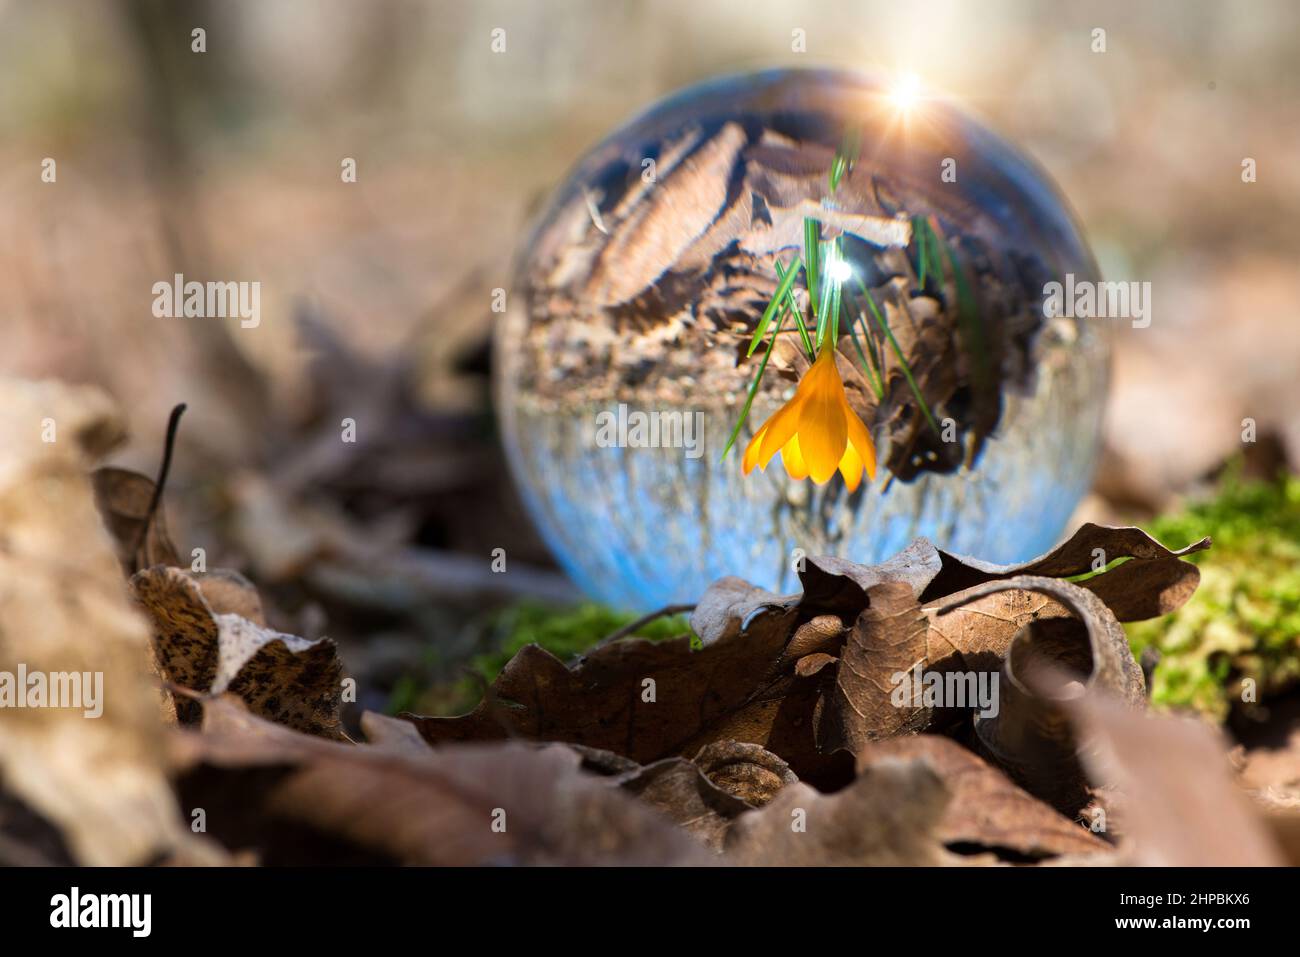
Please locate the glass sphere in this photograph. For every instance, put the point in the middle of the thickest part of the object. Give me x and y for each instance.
(623, 359)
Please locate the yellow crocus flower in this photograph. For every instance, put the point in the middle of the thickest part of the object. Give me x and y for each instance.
(817, 432)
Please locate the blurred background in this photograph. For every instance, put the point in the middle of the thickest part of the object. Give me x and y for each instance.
(376, 294)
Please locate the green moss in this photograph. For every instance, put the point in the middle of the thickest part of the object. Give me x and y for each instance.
(1244, 620)
(565, 633)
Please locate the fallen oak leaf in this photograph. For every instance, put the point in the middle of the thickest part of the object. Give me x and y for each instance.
(888, 816)
(282, 677)
(896, 649)
(652, 700)
(675, 787)
(889, 638)
(987, 812)
(1152, 581)
(263, 783)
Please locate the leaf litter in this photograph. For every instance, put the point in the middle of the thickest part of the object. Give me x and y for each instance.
(776, 734)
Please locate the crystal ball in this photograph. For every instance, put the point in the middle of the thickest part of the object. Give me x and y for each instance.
(623, 359)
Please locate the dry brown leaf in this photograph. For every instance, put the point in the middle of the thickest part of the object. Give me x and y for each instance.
(821, 635)
(819, 691)
(838, 586)
(675, 787)
(296, 796)
(810, 665)
(1154, 581)
(281, 677)
(682, 793)
(730, 604)
(745, 770)
(1030, 735)
(101, 782)
(1179, 804)
(123, 498)
(889, 637)
(888, 816)
(987, 812)
(728, 689)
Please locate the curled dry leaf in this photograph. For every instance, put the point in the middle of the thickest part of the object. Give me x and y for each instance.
(281, 677)
(837, 586)
(65, 615)
(746, 770)
(987, 812)
(821, 635)
(296, 797)
(809, 665)
(730, 604)
(680, 791)
(1030, 734)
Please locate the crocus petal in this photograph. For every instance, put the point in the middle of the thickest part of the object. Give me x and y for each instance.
(780, 428)
(793, 459)
(751, 451)
(822, 429)
(851, 468)
(860, 439)
(817, 432)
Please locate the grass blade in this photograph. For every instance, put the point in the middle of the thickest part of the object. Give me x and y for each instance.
(792, 306)
(902, 360)
(873, 378)
(825, 318)
(782, 289)
(837, 293)
(753, 390)
(968, 318)
(812, 259)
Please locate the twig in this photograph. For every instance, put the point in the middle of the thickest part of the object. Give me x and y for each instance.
(173, 423)
(642, 622)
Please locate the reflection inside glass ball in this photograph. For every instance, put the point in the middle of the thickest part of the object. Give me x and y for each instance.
(629, 348)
